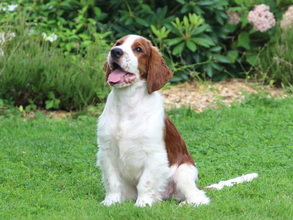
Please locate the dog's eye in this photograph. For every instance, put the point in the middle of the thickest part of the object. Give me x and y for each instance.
(138, 49)
(118, 44)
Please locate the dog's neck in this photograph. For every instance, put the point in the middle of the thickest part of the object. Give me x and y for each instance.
(133, 93)
(134, 100)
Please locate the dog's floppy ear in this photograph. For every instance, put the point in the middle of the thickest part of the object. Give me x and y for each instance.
(158, 72)
(107, 69)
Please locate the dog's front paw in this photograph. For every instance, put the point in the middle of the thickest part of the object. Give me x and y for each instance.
(111, 199)
(143, 202)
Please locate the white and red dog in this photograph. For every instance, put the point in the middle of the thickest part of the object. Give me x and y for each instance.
(141, 154)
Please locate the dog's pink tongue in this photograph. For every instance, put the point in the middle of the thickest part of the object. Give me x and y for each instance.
(116, 76)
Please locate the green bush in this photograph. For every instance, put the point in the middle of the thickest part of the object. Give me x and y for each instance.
(74, 22)
(276, 60)
(33, 72)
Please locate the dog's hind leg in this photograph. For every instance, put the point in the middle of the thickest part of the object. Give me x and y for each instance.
(185, 179)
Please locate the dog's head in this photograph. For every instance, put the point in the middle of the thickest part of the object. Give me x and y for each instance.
(132, 59)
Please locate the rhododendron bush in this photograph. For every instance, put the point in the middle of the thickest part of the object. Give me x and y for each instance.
(261, 18)
(261, 35)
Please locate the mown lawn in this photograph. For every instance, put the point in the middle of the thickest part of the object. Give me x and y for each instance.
(48, 166)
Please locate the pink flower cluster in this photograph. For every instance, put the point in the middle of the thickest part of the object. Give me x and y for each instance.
(233, 17)
(287, 21)
(261, 18)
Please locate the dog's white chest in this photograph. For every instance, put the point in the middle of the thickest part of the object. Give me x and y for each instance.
(132, 134)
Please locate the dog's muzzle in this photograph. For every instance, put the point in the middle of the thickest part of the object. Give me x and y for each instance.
(116, 53)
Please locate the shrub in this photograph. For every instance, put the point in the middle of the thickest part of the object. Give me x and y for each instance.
(74, 22)
(276, 60)
(248, 37)
(34, 72)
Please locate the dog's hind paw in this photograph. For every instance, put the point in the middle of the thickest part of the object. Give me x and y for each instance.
(200, 199)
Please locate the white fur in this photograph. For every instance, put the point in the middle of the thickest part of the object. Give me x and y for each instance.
(132, 153)
(244, 178)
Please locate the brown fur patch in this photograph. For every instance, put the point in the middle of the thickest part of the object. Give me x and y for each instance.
(158, 72)
(107, 69)
(175, 145)
(143, 57)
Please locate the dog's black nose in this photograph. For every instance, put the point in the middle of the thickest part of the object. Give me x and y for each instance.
(116, 52)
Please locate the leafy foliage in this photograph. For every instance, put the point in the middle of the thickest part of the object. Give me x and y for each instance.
(74, 22)
(36, 73)
(194, 37)
(276, 59)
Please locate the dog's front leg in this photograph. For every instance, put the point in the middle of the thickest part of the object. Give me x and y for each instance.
(113, 191)
(151, 183)
(147, 190)
(111, 179)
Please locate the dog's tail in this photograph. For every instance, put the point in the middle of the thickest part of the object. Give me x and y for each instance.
(244, 178)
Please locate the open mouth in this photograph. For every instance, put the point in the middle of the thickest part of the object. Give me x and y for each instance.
(119, 76)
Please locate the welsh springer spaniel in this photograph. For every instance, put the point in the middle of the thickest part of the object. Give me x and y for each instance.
(141, 154)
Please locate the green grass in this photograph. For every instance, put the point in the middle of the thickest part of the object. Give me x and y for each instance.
(48, 166)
